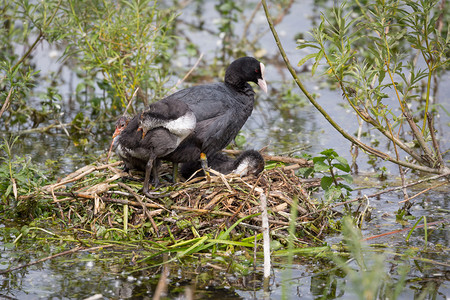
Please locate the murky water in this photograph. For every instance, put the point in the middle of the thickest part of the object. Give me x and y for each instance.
(281, 129)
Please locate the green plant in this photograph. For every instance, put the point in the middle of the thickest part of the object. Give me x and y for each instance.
(329, 163)
(18, 176)
(227, 10)
(126, 42)
(26, 24)
(119, 47)
(365, 51)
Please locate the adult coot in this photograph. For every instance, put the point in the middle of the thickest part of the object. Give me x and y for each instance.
(221, 109)
(248, 162)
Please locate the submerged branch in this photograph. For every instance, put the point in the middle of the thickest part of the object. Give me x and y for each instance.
(401, 230)
(397, 188)
(440, 160)
(77, 249)
(266, 235)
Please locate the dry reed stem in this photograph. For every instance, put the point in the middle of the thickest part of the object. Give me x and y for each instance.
(223, 200)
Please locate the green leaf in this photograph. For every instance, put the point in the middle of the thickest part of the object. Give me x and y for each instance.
(342, 167)
(342, 160)
(326, 182)
(307, 57)
(341, 185)
(381, 75)
(347, 177)
(332, 194)
(306, 172)
(320, 166)
(318, 158)
(235, 243)
(307, 45)
(316, 63)
(330, 153)
(8, 191)
(240, 140)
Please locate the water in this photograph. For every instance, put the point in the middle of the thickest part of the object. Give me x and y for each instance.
(85, 274)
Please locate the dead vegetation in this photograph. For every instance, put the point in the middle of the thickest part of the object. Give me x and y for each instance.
(100, 197)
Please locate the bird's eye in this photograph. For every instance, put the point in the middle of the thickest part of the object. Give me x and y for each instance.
(256, 71)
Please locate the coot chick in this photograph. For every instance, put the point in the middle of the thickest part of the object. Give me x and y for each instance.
(248, 162)
(132, 162)
(144, 152)
(221, 109)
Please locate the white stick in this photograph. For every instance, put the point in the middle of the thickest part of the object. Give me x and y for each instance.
(266, 236)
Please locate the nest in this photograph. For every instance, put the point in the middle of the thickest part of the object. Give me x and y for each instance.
(103, 196)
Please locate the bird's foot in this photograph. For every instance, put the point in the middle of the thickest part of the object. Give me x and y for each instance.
(204, 163)
(155, 182)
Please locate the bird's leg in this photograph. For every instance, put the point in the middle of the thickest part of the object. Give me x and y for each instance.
(148, 170)
(155, 177)
(204, 163)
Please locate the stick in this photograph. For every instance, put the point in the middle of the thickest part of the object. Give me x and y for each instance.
(377, 194)
(80, 173)
(220, 175)
(419, 137)
(300, 161)
(400, 230)
(144, 208)
(183, 208)
(131, 100)
(266, 236)
(161, 288)
(42, 260)
(430, 120)
(46, 128)
(187, 74)
(6, 103)
(425, 190)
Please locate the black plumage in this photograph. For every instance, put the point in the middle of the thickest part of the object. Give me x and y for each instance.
(221, 109)
(143, 151)
(195, 120)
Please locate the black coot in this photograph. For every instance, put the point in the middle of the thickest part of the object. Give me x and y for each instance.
(221, 109)
(143, 151)
(247, 163)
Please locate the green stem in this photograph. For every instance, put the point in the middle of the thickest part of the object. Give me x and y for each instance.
(427, 99)
(325, 114)
(41, 34)
(430, 69)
